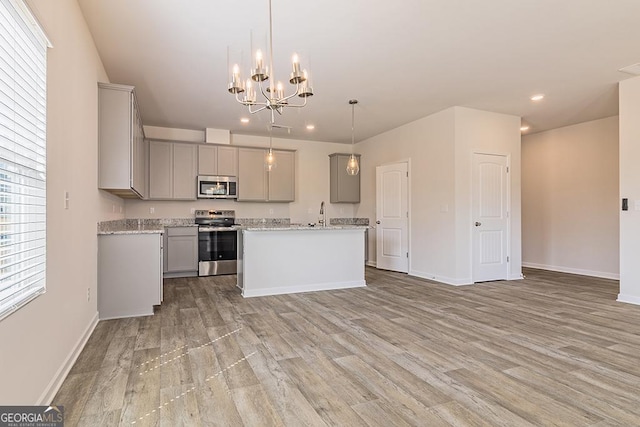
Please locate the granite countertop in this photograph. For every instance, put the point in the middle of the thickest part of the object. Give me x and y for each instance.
(302, 227)
(142, 226)
(145, 226)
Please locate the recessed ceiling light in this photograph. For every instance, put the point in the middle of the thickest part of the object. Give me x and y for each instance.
(537, 97)
(311, 127)
(244, 120)
(524, 128)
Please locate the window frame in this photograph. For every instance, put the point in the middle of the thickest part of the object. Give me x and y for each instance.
(23, 145)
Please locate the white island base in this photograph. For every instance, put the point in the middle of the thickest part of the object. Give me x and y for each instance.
(275, 261)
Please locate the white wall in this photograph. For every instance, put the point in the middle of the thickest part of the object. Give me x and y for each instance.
(312, 186)
(38, 340)
(630, 188)
(488, 133)
(570, 199)
(428, 144)
(440, 149)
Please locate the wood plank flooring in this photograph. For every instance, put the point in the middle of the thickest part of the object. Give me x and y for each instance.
(551, 350)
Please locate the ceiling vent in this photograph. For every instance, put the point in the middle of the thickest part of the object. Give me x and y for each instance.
(631, 69)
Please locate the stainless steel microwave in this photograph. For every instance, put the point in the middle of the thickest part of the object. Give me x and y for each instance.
(217, 187)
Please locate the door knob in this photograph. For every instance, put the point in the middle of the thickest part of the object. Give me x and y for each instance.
(377, 222)
(478, 224)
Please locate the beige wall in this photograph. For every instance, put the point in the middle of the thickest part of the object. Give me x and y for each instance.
(312, 186)
(570, 199)
(630, 188)
(439, 149)
(39, 340)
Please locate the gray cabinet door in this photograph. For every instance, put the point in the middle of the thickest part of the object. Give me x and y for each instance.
(252, 178)
(282, 177)
(138, 164)
(160, 170)
(184, 171)
(227, 161)
(207, 160)
(182, 249)
(344, 188)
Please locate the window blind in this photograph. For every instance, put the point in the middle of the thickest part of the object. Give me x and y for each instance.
(23, 77)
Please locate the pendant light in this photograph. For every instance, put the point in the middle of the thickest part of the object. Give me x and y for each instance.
(352, 165)
(270, 158)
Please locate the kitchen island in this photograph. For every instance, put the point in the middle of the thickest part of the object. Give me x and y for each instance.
(290, 259)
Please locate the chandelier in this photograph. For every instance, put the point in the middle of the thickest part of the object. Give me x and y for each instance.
(272, 96)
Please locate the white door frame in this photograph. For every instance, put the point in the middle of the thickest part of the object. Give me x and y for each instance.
(471, 219)
(408, 162)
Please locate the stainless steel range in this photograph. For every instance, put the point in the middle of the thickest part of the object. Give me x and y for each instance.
(217, 242)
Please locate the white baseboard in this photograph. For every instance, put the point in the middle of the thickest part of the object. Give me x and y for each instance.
(601, 274)
(247, 293)
(630, 299)
(441, 279)
(57, 380)
(371, 264)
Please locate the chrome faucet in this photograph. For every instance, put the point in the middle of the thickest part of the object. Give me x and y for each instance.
(323, 220)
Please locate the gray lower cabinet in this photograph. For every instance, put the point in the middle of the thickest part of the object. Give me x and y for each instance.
(181, 252)
(344, 188)
(172, 170)
(129, 274)
(257, 185)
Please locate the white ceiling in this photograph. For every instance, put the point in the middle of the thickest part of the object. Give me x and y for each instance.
(401, 59)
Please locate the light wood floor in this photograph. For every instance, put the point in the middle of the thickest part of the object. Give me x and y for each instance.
(553, 349)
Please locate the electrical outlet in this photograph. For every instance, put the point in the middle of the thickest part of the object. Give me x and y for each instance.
(88, 294)
(310, 210)
(271, 211)
(152, 210)
(193, 210)
(66, 199)
(113, 208)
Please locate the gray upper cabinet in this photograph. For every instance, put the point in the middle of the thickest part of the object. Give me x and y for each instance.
(121, 145)
(282, 178)
(252, 177)
(172, 170)
(344, 188)
(217, 160)
(257, 185)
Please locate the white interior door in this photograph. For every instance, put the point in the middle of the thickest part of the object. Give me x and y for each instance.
(490, 218)
(392, 217)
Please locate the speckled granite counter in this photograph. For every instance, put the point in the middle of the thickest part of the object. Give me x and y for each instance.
(300, 227)
(349, 221)
(142, 226)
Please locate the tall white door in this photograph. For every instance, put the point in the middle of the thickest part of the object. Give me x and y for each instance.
(490, 218)
(392, 217)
